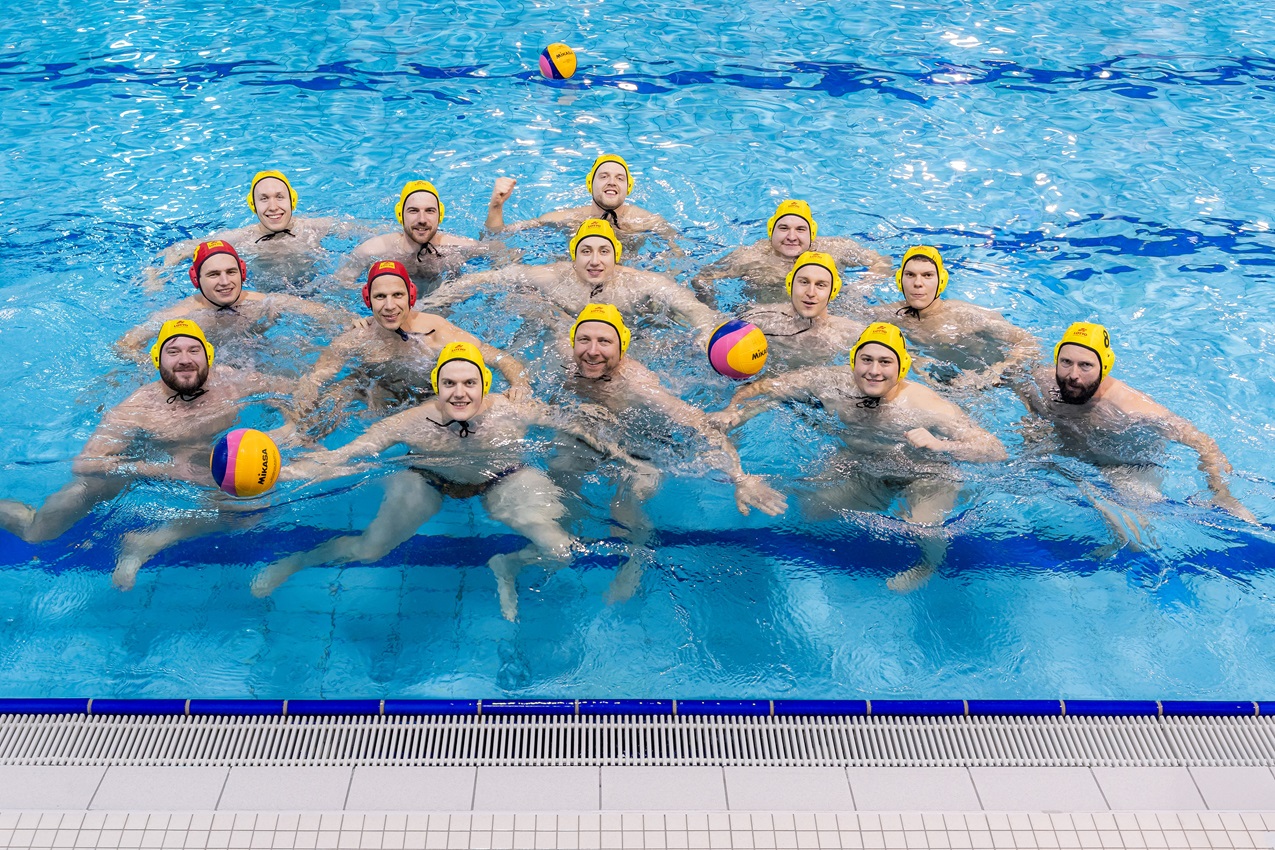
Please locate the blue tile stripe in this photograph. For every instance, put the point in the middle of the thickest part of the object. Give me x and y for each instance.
(642, 707)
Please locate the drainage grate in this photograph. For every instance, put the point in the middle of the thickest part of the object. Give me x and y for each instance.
(618, 740)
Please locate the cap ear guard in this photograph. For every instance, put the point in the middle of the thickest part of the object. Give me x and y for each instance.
(602, 160)
(1093, 337)
(262, 175)
(797, 208)
(467, 352)
(884, 333)
(607, 314)
(411, 188)
(929, 253)
(180, 327)
(390, 267)
(815, 258)
(210, 249)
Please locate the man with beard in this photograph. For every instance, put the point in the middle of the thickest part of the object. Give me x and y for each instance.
(421, 247)
(593, 274)
(610, 182)
(978, 342)
(228, 313)
(899, 440)
(802, 332)
(790, 232)
(1120, 430)
(179, 416)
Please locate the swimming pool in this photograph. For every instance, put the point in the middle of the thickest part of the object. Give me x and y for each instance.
(1078, 163)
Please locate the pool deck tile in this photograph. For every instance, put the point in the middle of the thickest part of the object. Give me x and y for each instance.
(663, 788)
(536, 789)
(48, 787)
(432, 789)
(1236, 788)
(126, 788)
(813, 789)
(1038, 789)
(285, 789)
(917, 789)
(1149, 788)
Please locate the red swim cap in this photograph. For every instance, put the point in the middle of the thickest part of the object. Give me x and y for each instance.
(395, 268)
(208, 249)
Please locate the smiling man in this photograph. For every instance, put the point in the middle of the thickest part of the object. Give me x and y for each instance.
(790, 232)
(178, 416)
(899, 438)
(391, 357)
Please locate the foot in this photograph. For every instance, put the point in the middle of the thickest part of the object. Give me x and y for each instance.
(268, 580)
(506, 569)
(126, 567)
(626, 581)
(910, 579)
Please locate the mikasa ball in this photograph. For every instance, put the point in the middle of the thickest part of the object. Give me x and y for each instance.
(245, 462)
(558, 62)
(737, 349)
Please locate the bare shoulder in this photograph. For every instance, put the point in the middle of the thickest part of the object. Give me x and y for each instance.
(386, 243)
(453, 239)
(920, 397)
(1133, 402)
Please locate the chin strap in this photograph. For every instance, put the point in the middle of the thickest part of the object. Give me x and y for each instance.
(868, 403)
(464, 426)
(270, 236)
(609, 215)
(428, 249)
(187, 397)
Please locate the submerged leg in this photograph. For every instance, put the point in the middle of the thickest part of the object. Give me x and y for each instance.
(626, 510)
(927, 503)
(409, 502)
(529, 503)
(138, 547)
(60, 511)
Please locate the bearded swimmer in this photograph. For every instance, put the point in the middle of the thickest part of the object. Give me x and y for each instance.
(277, 236)
(228, 312)
(600, 374)
(899, 436)
(463, 442)
(394, 354)
(180, 415)
(976, 340)
(802, 332)
(425, 250)
(1104, 421)
(609, 182)
(593, 274)
(790, 232)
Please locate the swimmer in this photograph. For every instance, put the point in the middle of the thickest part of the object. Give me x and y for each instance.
(465, 441)
(1104, 421)
(593, 274)
(420, 246)
(802, 332)
(395, 353)
(790, 232)
(610, 182)
(601, 374)
(222, 305)
(179, 415)
(976, 340)
(277, 235)
(899, 437)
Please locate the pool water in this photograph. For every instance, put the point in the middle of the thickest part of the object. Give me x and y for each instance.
(1079, 162)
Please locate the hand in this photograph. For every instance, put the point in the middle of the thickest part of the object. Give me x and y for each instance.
(361, 322)
(503, 189)
(923, 439)
(595, 412)
(644, 480)
(1232, 505)
(518, 392)
(752, 491)
(152, 280)
(723, 420)
(975, 380)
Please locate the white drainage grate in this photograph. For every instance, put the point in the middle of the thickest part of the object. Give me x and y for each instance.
(573, 740)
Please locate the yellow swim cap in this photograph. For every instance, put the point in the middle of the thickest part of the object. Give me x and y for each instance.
(1093, 337)
(411, 188)
(931, 254)
(797, 208)
(884, 333)
(607, 314)
(262, 175)
(180, 327)
(461, 351)
(608, 157)
(815, 258)
(595, 227)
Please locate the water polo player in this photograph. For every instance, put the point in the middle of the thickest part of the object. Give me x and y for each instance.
(790, 232)
(228, 313)
(391, 358)
(802, 332)
(898, 437)
(975, 340)
(593, 274)
(180, 415)
(1104, 421)
(466, 441)
(609, 182)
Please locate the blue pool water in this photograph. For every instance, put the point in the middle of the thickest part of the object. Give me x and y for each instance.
(1073, 162)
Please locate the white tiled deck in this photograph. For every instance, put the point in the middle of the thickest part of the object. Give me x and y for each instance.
(532, 807)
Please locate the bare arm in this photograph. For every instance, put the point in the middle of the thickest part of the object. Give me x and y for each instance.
(1021, 349)
(965, 440)
(851, 253)
(135, 344)
(458, 289)
(764, 394)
